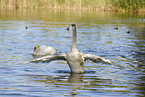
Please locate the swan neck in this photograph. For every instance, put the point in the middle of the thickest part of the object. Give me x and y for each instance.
(73, 45)
(38, 49)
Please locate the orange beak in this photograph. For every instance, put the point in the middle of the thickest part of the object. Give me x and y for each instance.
(34, 49)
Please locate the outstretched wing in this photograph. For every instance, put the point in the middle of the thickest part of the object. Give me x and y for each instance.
(96, 58)
(49, 58)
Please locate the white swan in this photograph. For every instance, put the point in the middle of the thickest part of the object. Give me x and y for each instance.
(43, 50)
(74, 58)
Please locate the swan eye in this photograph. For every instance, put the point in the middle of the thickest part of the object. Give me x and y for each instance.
(34, 48)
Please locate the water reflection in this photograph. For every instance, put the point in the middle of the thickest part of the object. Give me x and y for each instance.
(37, 56)
(76, 82)
(80, 83)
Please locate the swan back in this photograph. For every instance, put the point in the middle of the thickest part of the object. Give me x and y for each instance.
(44, 50)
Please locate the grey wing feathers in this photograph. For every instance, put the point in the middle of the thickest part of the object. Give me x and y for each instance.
(96, 58)
(49, 58)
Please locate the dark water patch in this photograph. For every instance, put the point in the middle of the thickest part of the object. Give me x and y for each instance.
(65, 37)
(15, 95)
(68, 71)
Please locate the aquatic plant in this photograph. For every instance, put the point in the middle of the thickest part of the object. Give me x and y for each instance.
(117, 5)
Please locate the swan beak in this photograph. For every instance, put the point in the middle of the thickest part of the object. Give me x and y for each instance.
(34, 49)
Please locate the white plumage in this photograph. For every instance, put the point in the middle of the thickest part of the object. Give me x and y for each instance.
(44, 50)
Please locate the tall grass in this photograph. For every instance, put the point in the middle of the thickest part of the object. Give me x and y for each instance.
(129, 5)
(117, 5)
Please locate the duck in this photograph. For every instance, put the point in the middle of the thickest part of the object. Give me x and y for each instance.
(67, 28)
(128, 31)
(26, 27)
(116, 28)
(44, 50)
(74, 58)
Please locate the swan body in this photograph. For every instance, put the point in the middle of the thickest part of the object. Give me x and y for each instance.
(43, 50)
(75, 61)
(74, 58)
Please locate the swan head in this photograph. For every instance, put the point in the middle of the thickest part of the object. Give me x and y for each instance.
(73, 25)
(36, 48)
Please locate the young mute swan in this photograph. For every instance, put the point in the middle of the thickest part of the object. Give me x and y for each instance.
(43, 50)
(74, 58)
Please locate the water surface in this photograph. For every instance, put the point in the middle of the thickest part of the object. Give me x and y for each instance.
(96, 35)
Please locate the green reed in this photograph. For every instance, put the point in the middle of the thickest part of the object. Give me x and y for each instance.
(129, 5)
(117, 5)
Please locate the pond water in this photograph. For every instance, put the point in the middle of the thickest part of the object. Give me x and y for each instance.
(96, 35)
